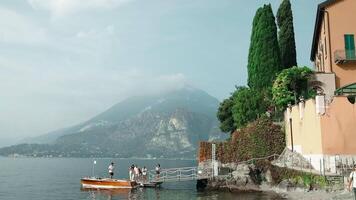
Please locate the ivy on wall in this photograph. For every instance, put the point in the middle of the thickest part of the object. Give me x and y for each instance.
(258, 139)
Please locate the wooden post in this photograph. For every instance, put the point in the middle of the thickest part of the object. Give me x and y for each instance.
(180, 174)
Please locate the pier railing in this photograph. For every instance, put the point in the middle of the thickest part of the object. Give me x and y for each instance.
(180, 174)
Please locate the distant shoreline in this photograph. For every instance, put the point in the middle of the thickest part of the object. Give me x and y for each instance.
(137, 158)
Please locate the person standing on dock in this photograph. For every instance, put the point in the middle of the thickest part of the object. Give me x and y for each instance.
(144, 174)
(158, 170)
(111, 169)
(131, 173)
(136, 173)
(352, 181)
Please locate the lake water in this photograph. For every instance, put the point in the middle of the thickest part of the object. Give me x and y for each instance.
(59, 178)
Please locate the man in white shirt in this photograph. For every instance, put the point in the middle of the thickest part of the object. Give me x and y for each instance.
(111, 169)
(352, 181)
(158, 170)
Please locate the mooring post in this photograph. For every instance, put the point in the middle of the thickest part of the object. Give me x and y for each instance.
(180, 174)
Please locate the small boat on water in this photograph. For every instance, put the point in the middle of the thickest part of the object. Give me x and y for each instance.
(106, 183)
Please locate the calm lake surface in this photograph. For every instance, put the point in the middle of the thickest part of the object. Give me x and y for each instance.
(59, 178)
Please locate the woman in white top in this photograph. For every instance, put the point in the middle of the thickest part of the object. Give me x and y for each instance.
(144, 173)
(136, 173)
(352, 181)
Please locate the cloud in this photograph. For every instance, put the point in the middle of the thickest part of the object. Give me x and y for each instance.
(40, 98)
(16, 28)
(108, 31)
(60, 8)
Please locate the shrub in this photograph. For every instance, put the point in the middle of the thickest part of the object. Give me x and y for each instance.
(289, 85)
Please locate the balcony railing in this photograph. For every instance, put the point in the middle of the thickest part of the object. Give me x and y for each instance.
(344, 56)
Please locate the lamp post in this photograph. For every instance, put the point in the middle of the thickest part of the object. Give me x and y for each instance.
(290, 125)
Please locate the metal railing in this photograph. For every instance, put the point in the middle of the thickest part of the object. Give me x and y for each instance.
(343, 56)
(180, 174)
(252, 160)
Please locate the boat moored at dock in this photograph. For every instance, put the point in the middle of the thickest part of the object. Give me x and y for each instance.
(106, 183)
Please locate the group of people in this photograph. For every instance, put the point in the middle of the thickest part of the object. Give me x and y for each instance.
(136, 173)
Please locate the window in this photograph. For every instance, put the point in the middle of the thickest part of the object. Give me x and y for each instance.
(349, 46)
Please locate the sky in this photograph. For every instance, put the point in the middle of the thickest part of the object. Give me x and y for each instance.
(64, 61)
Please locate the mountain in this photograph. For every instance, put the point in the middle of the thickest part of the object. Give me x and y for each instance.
(164, 125)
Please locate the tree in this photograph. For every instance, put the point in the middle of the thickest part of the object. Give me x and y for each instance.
(264, 60)
(249, 104)
(225, 115)
(286, 35)
(289, 85)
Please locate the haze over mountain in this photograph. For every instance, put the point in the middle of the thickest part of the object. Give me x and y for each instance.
(164, 125)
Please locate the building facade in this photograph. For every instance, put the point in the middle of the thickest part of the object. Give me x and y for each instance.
(333, 47)
(323, 129)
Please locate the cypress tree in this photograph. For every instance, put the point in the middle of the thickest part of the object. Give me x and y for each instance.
(286, 35)
(264, 59)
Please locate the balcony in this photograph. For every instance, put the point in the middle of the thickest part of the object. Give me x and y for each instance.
(344, 56)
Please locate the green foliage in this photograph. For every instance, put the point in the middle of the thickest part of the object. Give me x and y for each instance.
(266, 138)
(297, 178)
(307, 180)
(249, 104)
(225, 115)
(321, 181)
(264, 60)
(289, 85)
(286, 35)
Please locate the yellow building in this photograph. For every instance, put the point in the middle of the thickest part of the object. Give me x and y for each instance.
(324, 128)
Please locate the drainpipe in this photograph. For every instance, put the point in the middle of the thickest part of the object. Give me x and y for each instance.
(290, 125)
(329, 39)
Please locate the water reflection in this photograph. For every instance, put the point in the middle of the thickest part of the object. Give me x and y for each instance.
(110, 194)
(137, 193)
(116, 194)
(164, 193)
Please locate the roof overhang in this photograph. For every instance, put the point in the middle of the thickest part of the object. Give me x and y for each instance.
(319, 19)
(349, 89)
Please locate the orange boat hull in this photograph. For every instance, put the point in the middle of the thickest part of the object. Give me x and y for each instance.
(107, 183)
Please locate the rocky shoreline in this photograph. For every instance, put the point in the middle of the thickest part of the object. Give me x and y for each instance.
(294, 193)
(244, 178)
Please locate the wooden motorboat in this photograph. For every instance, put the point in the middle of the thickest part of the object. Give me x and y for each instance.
(106, 183)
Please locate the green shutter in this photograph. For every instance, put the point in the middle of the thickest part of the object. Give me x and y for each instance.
(349, 46)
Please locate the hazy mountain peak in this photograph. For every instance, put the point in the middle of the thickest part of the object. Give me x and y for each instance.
(179, 118)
